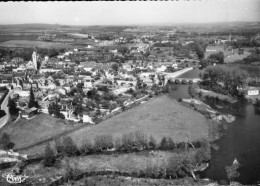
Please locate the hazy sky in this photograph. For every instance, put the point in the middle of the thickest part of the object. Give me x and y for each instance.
(115, 13)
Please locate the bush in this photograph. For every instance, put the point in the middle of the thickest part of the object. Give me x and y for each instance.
(49, 157)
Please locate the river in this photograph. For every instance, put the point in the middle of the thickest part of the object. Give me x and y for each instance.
(241, 140)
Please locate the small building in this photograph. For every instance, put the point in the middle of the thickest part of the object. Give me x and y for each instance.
(87, 119)
(29, 113)
(252, 91)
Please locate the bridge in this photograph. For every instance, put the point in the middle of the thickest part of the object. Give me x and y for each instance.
(194, 80)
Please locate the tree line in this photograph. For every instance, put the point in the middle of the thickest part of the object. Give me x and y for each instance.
(224, 79)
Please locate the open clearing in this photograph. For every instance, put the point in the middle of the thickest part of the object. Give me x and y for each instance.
(236, 57)
(30, 44)
(26, 132)
(158, 117)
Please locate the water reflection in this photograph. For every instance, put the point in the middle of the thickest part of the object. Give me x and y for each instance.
(241, 140)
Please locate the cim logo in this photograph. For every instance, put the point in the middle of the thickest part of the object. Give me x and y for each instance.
(10, 178)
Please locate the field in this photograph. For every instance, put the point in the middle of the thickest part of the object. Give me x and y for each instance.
(195, 73)
(158, 117)
(26, 132)
(31, 44)
(235, 57)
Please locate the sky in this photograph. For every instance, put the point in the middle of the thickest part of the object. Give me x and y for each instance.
(130, 12)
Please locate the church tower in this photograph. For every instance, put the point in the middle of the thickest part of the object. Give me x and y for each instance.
(34, 60)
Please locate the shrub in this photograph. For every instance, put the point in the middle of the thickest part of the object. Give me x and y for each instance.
(49, 157)
(172, 167)
(180, 100)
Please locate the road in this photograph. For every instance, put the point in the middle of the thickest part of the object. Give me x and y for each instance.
(176, 74)
(4, 107)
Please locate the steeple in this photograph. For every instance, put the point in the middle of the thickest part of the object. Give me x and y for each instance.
(34, 60)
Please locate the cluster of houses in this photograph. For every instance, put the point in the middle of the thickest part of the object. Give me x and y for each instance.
(56, 77)
(51, 79)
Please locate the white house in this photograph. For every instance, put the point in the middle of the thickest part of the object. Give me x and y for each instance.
(87, 119)
(174, 65)
(161, 69)
(252, 91)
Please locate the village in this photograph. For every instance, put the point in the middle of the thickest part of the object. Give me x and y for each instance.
(147, 90)
(84, 91)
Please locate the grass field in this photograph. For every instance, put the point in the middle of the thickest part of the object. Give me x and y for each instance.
(235, 57)
(195, 73)
(158, 117)
(26, 132)
(31, 44)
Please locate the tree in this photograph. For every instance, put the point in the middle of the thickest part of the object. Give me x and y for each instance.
(13, 110)
(54, 109)
(32, 102)
(141, 140)
(232, 172)
(59, 147)
(164, 144)
(70, 147)
(103, 142)
(49, 157)
(5, 142)
(115, 66)
(87, 147)
(218, 57)
(152, 142)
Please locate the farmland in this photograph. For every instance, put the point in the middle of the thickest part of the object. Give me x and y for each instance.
(26, 132)
(236, 57)
(159, 117)
(31, 44)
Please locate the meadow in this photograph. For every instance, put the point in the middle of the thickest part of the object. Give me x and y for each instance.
(32, 44)
(159, 117)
